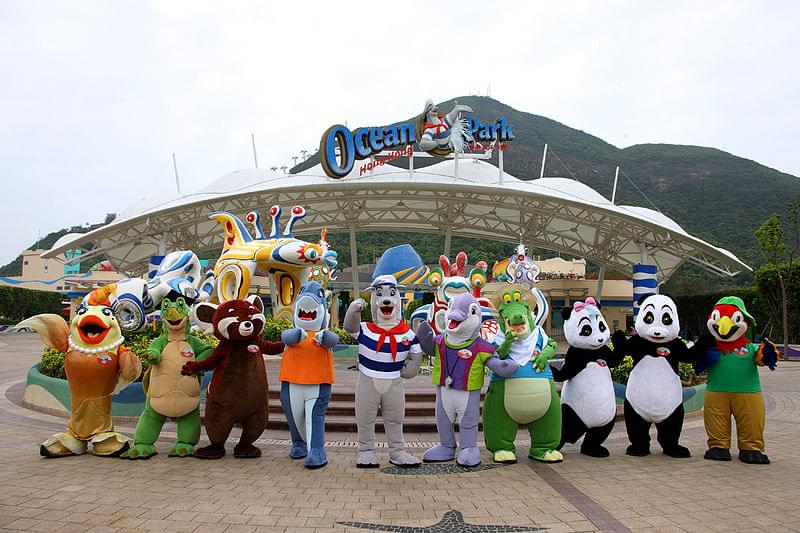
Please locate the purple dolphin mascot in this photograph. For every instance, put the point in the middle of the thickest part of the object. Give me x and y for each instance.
(458, 373)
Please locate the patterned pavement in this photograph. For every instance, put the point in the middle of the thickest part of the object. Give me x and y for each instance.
(273, 493)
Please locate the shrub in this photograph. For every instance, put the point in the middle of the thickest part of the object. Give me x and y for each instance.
(52, 363)
(17, 304)
(273, 327)
(344, 337)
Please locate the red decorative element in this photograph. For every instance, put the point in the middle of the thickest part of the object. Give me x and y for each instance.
(251, 217)
(399, 329)
(228, 226)
(230, 240)
(273, 210)
(297, 210)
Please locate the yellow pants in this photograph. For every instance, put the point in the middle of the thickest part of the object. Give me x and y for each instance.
(747, 409)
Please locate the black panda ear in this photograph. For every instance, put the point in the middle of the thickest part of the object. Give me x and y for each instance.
(642, 298)
(566, 312)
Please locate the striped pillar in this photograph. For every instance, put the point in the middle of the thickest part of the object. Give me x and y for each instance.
(644, 283)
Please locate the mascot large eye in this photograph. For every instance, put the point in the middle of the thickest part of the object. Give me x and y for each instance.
(477, 277)
(81, 310)
(737, 317)
(666, 319)
(506, 298)
(392, 291)
(602, 326)
(649, 318)
(107, 311)
(517, 297)
(311, 253)
(435, 277)
(474, 311)
(715, 315)
(586, 330)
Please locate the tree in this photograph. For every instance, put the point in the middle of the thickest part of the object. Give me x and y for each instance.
(772, 238)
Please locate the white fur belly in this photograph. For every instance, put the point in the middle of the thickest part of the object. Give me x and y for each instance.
(591, 395)
(654, 390)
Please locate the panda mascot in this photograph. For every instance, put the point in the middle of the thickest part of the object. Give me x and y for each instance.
(588, 403)
(654, 394)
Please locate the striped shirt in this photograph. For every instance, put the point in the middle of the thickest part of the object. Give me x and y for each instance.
(382, 353)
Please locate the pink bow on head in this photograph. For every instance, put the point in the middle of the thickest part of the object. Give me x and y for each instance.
(578, 306)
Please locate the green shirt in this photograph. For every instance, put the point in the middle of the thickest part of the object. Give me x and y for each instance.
(463, 363)
(735, 373)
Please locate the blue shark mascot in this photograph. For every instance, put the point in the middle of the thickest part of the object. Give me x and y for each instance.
(307, 375)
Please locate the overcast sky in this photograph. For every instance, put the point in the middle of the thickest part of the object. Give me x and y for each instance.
(95, 96)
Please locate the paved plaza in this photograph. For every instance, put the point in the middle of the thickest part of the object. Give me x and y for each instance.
(273, 493)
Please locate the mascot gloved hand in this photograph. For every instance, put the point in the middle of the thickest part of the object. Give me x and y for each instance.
(529, 396)
(169, 393)
(238, 390)
(388, 351)
(458, 373)
(307, 374)
(734, 385)
(588, 402)
(97, 366)
(767, 354)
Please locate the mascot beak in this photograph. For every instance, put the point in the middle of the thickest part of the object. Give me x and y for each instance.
(724, 325)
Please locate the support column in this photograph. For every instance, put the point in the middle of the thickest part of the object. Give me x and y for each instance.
(273, 292)
(645, 278)
(334, 310)
(601, 278)
(448, 238)
(354, 261)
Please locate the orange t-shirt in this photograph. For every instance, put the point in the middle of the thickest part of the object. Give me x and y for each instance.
(307, 363)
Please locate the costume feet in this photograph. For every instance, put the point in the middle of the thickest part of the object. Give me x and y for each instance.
(62, 445)
(317, 458)
(717, 454)
(212, 451)
(245, 450)
(140, 451)
(637, 451)
(404, 460)
(298, 451)
(469, 457)
(110, 444)
(595, 451)
(550, 456)
(438, 454)
(504, 456)
(367, 460)
(753, 457)
(181, 449)
(678, 452)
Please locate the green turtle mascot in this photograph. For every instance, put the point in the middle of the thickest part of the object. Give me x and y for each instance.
(169, 393)
(528, 397)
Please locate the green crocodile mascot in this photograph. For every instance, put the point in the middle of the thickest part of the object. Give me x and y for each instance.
(169, 393)
(528, 397)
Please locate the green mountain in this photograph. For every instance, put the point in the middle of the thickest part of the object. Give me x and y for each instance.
(712, 194)
(14, 268)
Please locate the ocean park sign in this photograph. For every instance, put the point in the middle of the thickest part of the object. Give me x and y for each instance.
(435, 133)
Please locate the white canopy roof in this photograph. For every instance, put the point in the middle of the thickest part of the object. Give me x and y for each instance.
(557, 214)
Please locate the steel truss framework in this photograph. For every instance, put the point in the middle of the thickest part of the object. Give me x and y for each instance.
(482, 208)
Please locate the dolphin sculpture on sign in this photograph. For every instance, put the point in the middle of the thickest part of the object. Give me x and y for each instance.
(286, 259)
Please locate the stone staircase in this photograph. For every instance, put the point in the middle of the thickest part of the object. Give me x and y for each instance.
(341, 416)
